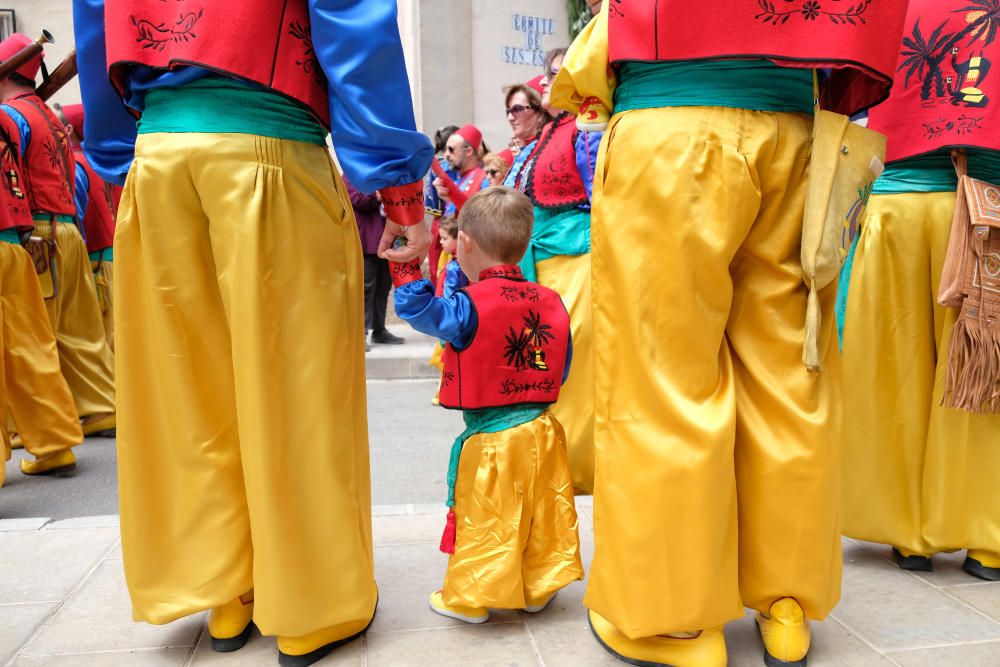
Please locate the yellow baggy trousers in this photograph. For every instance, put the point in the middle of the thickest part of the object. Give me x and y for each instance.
(516, 537)
(84, 356)
(717, 452)
(916, 475)
(242, 432)
(103, 271)
(32, 388)
(570, 276)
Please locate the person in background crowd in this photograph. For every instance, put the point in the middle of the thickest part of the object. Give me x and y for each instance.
(526, 117)
(433, 203)
(371, 225)
(920, 475)
(450, 280)
(96, 210)
(558, 176)
(496, 167)
(594, 6)
(48, 166)
(464, 150)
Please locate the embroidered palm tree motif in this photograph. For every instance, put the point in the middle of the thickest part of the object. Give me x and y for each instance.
(309, 63)
(525, 347)
(841, 12)
(158, 35)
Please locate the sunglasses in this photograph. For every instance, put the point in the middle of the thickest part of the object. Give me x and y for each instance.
(452, 149)
(518, 109)
(492, 173)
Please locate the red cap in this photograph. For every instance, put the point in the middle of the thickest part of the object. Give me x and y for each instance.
(472, 136)
(507, 155)
(74, 116)
(12, 45)
(536, 83)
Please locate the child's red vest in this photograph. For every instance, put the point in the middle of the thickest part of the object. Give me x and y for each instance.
(518, 353)
(856, 39)
(554, 180)
(946, 96)
(264, 41)
(48, 163)
(99, 221)
(14, 211)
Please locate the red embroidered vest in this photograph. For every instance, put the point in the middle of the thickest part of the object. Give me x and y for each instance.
(554, 179)
(14, 211)
(99, 221)
(264, 41)
(48, 163)
(946, 94)
(518, 353)
(853, 37)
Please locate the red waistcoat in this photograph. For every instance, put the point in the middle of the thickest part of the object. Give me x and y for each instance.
(518, 353)
(99, 221)
(265, 41)
(853, 37)
(554, 179)
(14, 211)
(48, 163)
(946, 94)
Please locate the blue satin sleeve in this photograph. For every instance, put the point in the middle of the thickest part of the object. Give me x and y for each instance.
(452, 320)
(82, 197)
(454, 279)
(371, 112)
(569, 358)
(22, 126)
(587, 145)
(109, 128)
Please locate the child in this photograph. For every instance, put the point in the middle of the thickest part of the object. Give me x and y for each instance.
(512, 527)
(449, 279)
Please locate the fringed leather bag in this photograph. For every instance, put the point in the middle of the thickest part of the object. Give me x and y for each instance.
(970, 281)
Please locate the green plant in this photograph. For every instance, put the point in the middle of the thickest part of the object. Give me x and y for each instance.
(579, 16)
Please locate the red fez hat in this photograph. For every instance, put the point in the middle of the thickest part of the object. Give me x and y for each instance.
(472, 136)
(10, 46)
(74, 116)
(507, 155)
(536, 83)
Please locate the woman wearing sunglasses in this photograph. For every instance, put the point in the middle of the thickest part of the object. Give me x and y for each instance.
(526, 117)
(558, 176)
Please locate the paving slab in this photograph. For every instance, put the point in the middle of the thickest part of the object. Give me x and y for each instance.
(488, 645)
(172, 657)
(17, 525)
(985, 597)
(45, 565)
(985, 654)
(264, 651)
(20, 622)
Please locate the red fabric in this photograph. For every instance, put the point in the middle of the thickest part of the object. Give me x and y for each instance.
(448, 536)
(49, 167)
(554, 180)
(536, 84)
(434, 252)
(507, 155)
(472, 136)
(951, 103)
(405, 273)
(99, 221)
(518, 353)
(856, 39)
(457, 197)
(14, 211)
(73, 113)
(241, 39)
(12, 45)
(404, 204)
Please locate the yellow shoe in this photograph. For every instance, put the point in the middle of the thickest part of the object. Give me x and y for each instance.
(305, 650)
(705, 649)
(53, 464)
(102, 426)
(230, 625)
(785, 633)
(16, 442)
(468, 614)
(982, 564)
(535, 606)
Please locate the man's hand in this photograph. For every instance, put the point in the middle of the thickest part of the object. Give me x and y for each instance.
(442, 189)
(418, 240)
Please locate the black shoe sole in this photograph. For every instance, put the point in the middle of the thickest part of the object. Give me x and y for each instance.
(977, 569)
(771, 661)
(230, 644)
(106, 433)
(285, 660)
(61, 471)
(912, 563)
(631, 661)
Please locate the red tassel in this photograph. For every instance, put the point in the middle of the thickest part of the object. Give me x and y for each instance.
(448, 536)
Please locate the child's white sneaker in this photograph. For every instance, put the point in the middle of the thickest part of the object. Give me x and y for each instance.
(467, 614)
(533, 607)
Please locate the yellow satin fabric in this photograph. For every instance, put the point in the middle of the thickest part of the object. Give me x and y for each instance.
(916, 475)
(104, 282)
(84, 356)
(717, 452)
(32, 388)
(570, 276)
(242, 433)
(516, 536)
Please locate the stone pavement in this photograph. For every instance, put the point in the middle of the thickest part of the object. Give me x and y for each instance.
(406, 361)
(63, 604)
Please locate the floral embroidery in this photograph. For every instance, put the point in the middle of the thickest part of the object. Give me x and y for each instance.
(841, 12)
